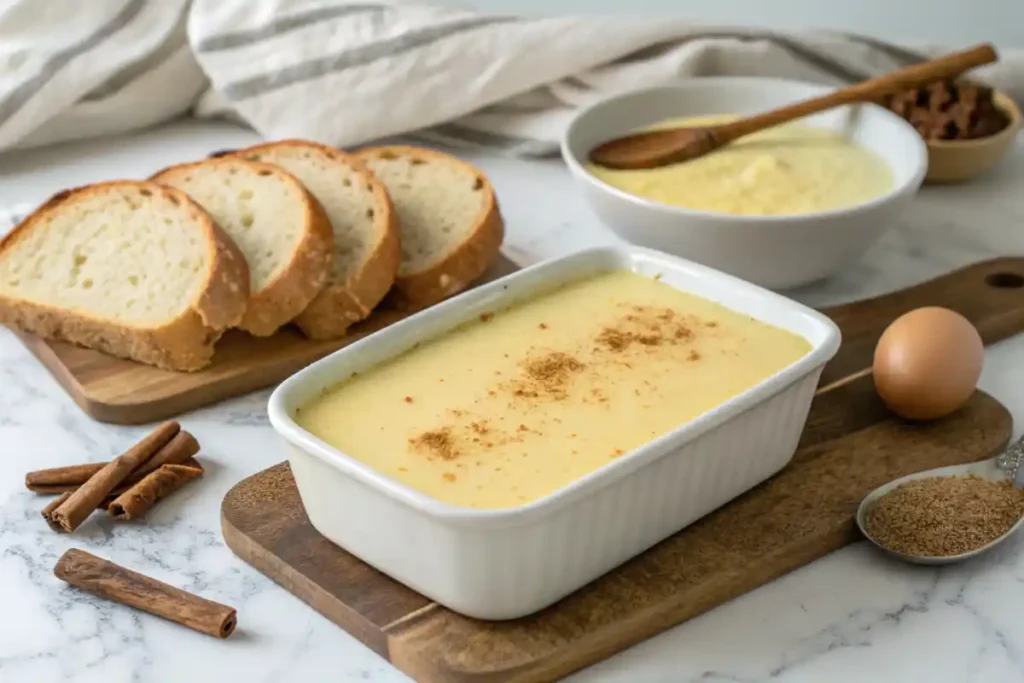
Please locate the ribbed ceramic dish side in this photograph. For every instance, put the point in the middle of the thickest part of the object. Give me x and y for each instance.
(503, 564)
(514, 571)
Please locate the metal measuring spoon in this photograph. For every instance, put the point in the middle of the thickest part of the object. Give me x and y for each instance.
(1004, 466)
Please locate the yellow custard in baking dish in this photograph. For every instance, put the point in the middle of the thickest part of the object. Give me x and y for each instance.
(513, 406)
(789, 169)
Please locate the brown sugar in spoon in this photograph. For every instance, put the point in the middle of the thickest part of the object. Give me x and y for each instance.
(655, 148)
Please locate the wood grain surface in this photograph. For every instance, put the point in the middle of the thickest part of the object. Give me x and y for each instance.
(851, 445)
(125, 392)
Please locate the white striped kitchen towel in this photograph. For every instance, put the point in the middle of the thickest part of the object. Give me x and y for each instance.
(347, 72)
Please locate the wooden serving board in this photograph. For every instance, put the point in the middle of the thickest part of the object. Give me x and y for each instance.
(850, 446)
(124, 392)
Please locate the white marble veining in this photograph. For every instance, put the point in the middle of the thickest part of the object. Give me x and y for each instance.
(853, 616)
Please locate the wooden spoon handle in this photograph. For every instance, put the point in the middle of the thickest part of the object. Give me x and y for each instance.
(914, 76)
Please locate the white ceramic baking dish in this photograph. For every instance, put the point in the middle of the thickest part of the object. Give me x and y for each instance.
(502, 564)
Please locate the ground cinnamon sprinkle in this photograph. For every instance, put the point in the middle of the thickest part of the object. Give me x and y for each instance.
(438, 441)
(549, 375)
(941, 516)
(462, 438)
(645, 326)
(616, 340)
(555, 366)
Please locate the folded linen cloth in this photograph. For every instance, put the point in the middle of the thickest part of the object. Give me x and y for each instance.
(346, 72)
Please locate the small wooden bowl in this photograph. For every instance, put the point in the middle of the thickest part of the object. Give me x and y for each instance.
(951, 161)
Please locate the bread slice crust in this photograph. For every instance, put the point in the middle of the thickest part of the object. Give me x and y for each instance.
(339, 305)
(464, 261)
(184, 343)
(308, 265)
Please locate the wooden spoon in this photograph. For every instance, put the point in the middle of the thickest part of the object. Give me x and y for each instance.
(673, 145)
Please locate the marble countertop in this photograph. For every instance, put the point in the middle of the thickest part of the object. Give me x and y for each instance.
(852, 616)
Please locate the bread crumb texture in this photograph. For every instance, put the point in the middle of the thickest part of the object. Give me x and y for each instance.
(439, 203)
(345, 194)
(124, 253)
(264, 216)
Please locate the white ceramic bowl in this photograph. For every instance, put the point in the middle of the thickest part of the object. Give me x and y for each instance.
(778, 252)
(502, 564)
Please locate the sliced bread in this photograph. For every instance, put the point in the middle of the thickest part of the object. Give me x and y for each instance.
(449, 222)
(280, 228)
(129, 268)
(366, 251)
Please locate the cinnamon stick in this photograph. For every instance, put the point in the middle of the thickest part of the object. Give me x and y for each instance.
(47, 511)
(60, 479)
(179, 449)
(155, 486)
(67, 478)
(56, 489)
(127, 484)
(81, 503)
(124, 586)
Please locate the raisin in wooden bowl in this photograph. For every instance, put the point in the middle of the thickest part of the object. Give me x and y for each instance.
(966, 127)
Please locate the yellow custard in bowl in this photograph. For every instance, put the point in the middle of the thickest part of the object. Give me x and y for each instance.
(516, 405)
(786, 170)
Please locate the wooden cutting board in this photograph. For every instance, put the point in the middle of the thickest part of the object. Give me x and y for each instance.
(124, 392)
(850, 446)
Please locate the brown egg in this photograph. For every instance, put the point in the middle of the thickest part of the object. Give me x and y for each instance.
(927, 363)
